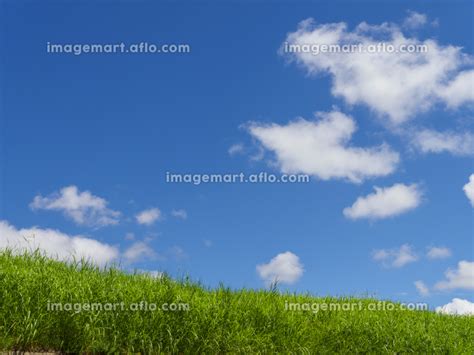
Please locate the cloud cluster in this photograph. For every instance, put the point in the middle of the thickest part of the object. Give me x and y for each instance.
(321, 148)
(64, 247)
(56, 244)
(284, 268)
(82, 207)
(235, 149)
(397, 257)
(457, 307)
(397, 86)
(415, 20)
(385, 202)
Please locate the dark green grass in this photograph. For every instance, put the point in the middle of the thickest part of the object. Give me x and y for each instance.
(218, 320)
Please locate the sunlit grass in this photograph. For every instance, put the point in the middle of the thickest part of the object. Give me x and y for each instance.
(217, 321)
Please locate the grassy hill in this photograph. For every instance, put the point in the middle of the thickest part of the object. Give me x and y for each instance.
(49, 305)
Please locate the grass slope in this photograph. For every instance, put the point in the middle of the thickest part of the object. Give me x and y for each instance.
(218, 321)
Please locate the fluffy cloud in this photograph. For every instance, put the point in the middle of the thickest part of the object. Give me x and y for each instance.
(283, 268)
(182, 214)
(395, 85)
(460, 278)
(56, 244)
(395, 257)
(429, 141)
(82, 207)
(422, 289)
(458, 307)
(385, 202)
(460, 90)
(321, 148)
(469, 189)
(63, 247)
(438, 253)
(149, 216)
(139, 251)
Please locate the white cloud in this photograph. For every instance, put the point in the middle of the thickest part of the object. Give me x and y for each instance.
(429, 141)
(284, 268)
(56, 244)
(82, 207)
(236, 149)
(415, 20)
(457, 307)
(139, 251)
(438, 253)
(460, 278)
(396, 86)
(182, 214)
(460, 90)
(395, 257)
(422, 289)
(469, 189)
(385, 202)
(321, 148)
(149, 216)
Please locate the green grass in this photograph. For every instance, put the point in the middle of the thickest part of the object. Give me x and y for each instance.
(218, 320)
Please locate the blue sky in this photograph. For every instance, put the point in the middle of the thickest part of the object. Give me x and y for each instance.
(112, 125)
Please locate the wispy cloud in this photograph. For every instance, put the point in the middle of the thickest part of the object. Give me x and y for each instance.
(148, 216)
(422, 289)
(383, 80)
(235, 149)
(415, 20)
(397, 257)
